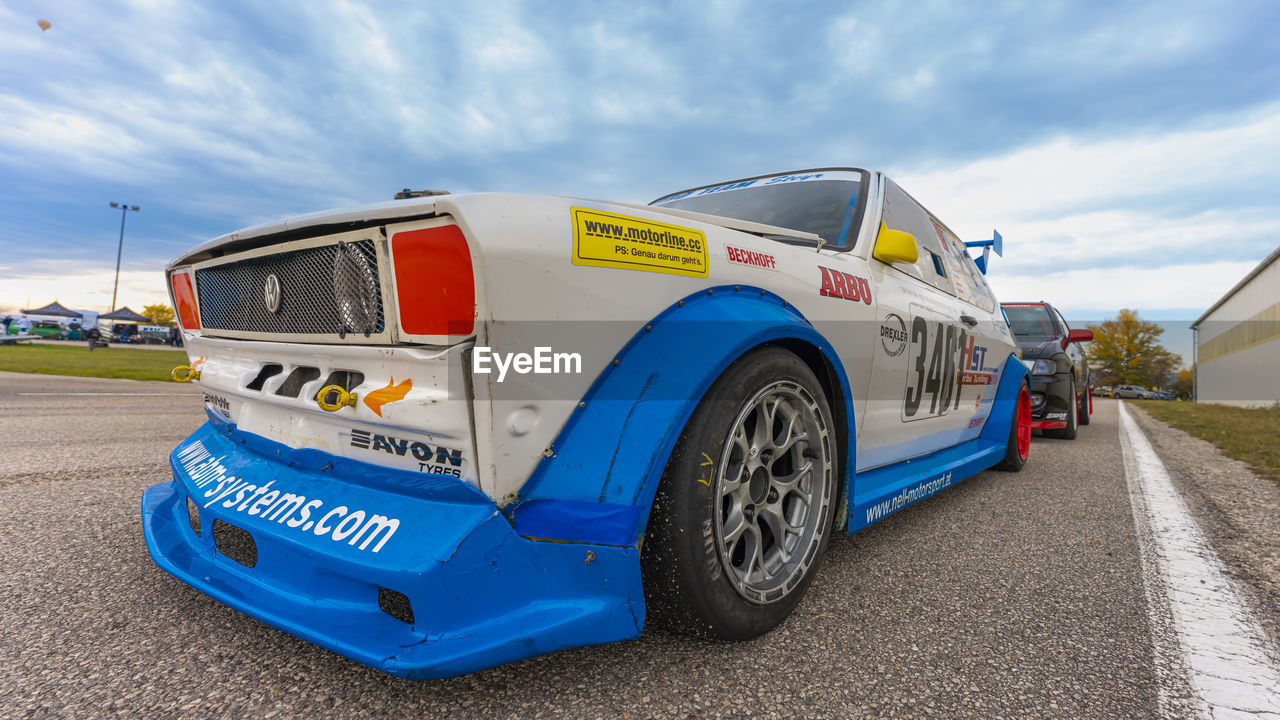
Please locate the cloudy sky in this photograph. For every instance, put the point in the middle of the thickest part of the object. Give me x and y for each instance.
(1129, 153)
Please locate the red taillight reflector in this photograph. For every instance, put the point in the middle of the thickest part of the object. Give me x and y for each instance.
(184, 298)
(435, 286)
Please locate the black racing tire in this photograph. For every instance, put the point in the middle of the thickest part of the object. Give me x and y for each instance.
(712, 562)
(1073, 407)
(1086, 403)
(1019, 448)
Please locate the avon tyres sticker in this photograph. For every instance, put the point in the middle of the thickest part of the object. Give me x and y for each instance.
(218, 404)
(605, 239)
(440, 461)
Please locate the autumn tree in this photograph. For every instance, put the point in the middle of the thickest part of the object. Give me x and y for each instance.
(159, 314)
(1184, 384)
(1128, 349)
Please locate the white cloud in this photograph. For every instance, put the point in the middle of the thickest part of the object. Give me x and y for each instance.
(1067, 175)
(1103, 291)
(80, 291)
(1096, 225)
(1128, 237)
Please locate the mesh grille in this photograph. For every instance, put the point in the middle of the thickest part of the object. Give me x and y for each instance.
(231, 295)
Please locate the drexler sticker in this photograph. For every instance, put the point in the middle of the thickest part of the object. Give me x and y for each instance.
(605, 239)
(893, 335)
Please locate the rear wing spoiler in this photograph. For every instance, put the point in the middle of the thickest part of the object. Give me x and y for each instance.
(995, 243)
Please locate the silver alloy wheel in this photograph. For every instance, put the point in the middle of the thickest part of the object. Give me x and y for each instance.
(774, 491)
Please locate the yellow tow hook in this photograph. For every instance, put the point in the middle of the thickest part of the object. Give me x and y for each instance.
(184, 373)
(341, 398)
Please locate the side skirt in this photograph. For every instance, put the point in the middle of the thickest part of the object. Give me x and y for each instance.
(903, 483)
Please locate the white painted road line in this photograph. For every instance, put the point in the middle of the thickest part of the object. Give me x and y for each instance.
(1222, 648)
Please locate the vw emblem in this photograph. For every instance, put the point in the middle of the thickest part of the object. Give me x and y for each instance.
(271, 293)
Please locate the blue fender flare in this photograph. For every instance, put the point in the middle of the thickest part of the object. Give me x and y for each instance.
(1005, 408)
(597, 481)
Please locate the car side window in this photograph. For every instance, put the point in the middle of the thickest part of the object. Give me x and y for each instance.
(1066, 329)
(905, 214)
(965, 276)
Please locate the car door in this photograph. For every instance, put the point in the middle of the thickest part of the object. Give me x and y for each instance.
(988, 341)
(918, 401)
(1076, 352)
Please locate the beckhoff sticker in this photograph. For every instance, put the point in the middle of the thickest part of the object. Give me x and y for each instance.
(843, 285)
(441, 460)
(750, 258)
(893, 335)
(605, 239)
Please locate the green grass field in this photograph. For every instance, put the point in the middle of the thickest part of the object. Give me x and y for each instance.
(74, 358)
(1247, 434)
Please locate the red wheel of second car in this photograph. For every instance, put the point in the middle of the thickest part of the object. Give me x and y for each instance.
(1024, 423)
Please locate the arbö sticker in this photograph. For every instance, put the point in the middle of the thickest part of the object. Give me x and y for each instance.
(843, 285)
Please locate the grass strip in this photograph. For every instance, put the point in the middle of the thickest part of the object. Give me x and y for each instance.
(74, 358)
(1247, 434)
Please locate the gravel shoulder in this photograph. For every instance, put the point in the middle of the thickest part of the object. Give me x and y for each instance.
(1236, 509)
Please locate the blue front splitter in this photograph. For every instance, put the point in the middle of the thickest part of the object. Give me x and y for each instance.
(481, 594)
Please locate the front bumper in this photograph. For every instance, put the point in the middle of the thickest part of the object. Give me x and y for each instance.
(1054, 410)
(481, 594)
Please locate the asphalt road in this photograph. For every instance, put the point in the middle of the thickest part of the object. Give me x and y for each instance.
(1007, 596)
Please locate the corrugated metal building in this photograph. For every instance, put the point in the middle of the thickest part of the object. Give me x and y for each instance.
(1238, 341)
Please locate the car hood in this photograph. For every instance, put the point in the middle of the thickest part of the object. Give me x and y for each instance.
(329, 221)
(1037, 349)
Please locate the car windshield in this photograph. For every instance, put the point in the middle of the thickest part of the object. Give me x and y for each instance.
(822, 203)
(1030, 322)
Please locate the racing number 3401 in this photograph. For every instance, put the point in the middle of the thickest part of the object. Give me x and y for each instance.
(933, 371)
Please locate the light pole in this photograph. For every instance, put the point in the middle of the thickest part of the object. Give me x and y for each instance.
(124, 210)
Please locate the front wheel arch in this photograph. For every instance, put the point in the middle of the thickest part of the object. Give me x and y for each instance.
(693, 578)
(835, 390)
(603, 468)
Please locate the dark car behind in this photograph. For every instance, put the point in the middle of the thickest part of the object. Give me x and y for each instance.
(1060, 397)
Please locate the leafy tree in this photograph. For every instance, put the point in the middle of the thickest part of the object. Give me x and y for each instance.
(1128, 350)
(1099, 378)
(1183, 384)
(159, 314)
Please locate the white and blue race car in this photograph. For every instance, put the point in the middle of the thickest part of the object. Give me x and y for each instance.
(453, 431)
